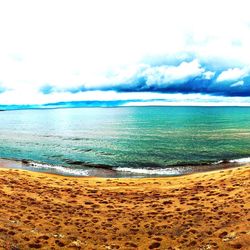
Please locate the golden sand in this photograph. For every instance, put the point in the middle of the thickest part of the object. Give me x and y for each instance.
(199, 211)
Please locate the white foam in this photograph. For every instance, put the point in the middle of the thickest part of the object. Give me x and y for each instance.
(241, 160)
(168, 171)
(217, 162)
(60, 169)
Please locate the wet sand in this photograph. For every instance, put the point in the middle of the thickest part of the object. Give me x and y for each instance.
(199, 211)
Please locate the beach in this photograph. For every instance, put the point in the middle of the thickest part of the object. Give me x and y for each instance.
(209, 210)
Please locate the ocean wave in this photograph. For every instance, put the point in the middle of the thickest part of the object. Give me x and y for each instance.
(87, 164)
(185, 168)
(220, 162)
(81, 168)
(158, 171)
(241, 160)
(58, 169)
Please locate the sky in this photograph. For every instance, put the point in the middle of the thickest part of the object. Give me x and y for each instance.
(124, 52)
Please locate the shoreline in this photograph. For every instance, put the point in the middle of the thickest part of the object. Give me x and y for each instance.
(2, 167)
(105, 171)
(209, 210)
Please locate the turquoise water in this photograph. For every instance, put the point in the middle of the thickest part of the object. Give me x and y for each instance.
(125, 141)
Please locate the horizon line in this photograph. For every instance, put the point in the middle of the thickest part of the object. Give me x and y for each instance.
(127, 106)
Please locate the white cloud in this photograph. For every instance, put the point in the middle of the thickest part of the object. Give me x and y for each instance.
(68, 43)
(147, 98)
(232, 75)
(237, 84)
(208, 75)
(194, 100)
(164, 75)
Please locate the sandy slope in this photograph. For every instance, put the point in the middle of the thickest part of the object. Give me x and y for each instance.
(199, 211)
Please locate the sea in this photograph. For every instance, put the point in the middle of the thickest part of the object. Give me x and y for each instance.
(126, 141)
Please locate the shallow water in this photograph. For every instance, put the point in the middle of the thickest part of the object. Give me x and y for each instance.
(125, 141)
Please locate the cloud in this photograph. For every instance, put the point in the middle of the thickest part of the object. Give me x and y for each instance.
(232, 75)
(208, 75)
(46, 89)
(141, 77)
(164, 75)
(187, 77)
(160, 48)
(237, 84)
(2, 89)
(113, 99)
